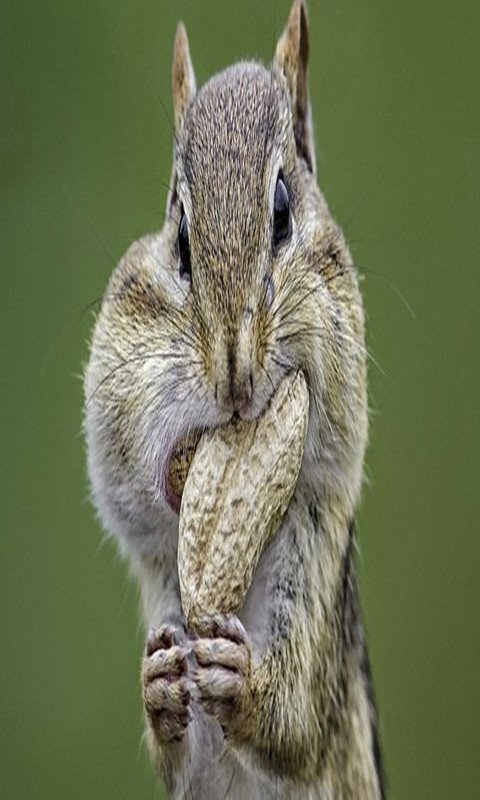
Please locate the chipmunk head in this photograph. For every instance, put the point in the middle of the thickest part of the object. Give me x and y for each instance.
(243, 160)
(249, 279)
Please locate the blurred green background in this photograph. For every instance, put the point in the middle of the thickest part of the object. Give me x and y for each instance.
(85, 149)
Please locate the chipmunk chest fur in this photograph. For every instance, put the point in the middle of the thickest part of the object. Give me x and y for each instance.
(248, 280)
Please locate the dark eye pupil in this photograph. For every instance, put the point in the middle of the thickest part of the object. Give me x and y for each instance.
(184, 247)
(281, 212)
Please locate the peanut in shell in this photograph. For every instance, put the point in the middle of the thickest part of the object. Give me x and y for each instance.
(239, 484)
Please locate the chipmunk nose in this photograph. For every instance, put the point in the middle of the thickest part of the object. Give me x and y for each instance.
(233, 381)
(234, 371)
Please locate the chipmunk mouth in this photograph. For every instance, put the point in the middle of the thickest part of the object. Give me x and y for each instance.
(176, 469)
(175, 466)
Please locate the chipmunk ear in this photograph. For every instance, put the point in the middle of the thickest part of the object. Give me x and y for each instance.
(291, 58)
(184, 86)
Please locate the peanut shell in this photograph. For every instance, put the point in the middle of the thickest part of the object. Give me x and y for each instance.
(240, 482)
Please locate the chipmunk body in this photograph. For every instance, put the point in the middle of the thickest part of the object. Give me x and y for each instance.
(249, 279)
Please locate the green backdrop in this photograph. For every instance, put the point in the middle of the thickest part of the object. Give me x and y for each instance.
(85, 151)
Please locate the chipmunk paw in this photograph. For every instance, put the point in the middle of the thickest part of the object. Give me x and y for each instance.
(222, 677)
(164, 679)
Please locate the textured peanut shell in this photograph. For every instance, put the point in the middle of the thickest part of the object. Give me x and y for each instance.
(240, 482)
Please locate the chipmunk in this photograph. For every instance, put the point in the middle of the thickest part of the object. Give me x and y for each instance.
(250, 278)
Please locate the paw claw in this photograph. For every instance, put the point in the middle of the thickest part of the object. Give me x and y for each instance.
(226, 626)
(160, 638)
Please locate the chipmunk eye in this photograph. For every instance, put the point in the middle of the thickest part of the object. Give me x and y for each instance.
(184, 247)
(281, 212)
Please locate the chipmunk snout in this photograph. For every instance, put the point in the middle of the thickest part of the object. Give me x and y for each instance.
(233, 370)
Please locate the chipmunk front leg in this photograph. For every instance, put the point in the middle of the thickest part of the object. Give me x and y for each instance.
(255, 703)
(265, 702)
(264, 709)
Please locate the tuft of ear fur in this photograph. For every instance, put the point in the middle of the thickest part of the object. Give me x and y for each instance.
(184, 86)
(291, 59)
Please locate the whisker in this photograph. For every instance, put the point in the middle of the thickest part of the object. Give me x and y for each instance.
(78, 317)
(282, 363)
(392, 286)
(136, 359)
(314, 333)
(167, 115)
(266, 372)
(93, 227)
(107, 377)
(234, 772)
